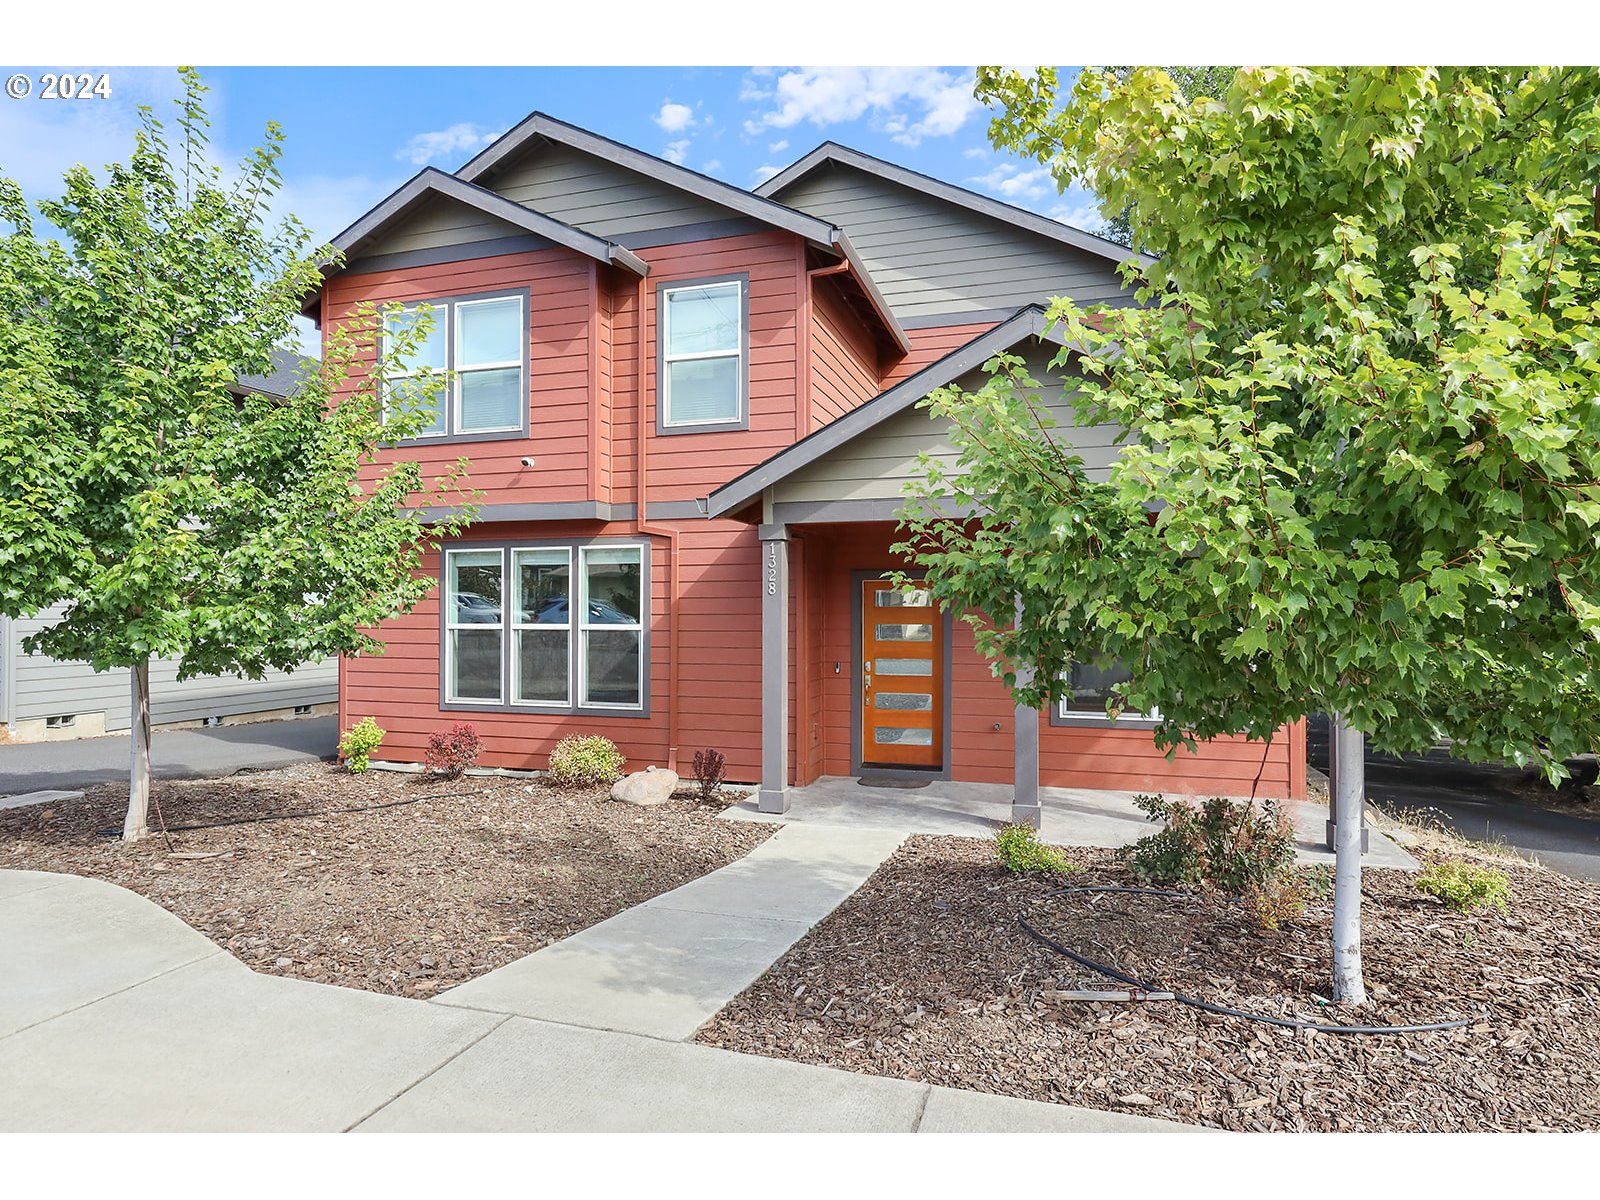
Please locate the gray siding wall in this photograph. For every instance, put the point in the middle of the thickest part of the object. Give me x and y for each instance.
(436, 223)
(49, 687)
(878, 464)
(932, 258)
(597, 196)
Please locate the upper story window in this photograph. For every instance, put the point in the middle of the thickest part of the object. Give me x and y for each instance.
(704, 357)
(1091, 687)
(484, 341)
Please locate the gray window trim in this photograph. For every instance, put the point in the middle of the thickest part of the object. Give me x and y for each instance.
(526, 708)
(450, 303)
(857, 578)
(663, 429)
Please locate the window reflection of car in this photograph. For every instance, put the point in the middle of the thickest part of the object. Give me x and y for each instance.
(473, 609)
(601, 612)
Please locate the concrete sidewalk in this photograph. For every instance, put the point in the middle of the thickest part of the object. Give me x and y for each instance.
(667, 966)
(117, 1016)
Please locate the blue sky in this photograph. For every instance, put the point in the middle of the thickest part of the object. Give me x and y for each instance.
(356, 133)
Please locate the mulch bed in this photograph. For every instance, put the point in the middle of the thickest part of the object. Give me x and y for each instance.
(924, 974)
(409, 899)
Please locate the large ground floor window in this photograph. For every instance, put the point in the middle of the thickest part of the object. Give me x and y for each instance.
(554, 627)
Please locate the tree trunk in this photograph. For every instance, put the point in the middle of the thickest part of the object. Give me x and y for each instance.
(1346, 751)
(137, 823)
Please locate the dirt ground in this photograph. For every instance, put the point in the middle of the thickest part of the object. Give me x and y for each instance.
(450, 881)
(925, 974)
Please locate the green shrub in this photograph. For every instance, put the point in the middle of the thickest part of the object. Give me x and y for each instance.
(360, 740)
(1464, 886)
(586, 761)
(1226, 846)
(1019, 849)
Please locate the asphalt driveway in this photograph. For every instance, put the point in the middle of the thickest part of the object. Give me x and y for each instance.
(1478, 801)
(176, 754)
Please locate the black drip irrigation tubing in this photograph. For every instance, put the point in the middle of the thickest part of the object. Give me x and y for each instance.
(1111, 972)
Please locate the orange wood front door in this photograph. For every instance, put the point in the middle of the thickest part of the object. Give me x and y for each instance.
(902, 677)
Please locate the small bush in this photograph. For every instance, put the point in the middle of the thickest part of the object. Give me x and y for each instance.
(451, 751)
(360, 740)
(1225, 846)
(1019, 850)
(586, 761)
(710, 769)
(1465, 886)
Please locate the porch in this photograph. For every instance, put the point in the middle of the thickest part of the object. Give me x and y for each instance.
(1068, 816)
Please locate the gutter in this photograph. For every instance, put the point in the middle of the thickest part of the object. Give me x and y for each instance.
(649, 528)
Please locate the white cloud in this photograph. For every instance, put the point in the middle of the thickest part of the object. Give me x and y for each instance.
(778, 147)
(676, 152)
(674, 118)
(975, 152)
(764, 172)
(441, 143)
(1084, 215)
(907, 103)
(714, 165)
(1011, 181)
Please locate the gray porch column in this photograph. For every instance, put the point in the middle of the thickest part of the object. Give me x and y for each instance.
(1025, 808)
(774, 796)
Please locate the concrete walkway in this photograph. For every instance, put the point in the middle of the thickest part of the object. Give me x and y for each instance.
(667, 966)
(115, 1015)
(1072, 816)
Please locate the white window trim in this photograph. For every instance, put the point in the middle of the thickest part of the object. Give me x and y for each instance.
(1129, 718)
(459, 372)
(445, 308)
(585, 627)
(668, 358)
(518, 627)
(447, 651)
(577, 642)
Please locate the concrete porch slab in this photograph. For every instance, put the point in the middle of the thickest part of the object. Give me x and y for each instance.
(1072, 816)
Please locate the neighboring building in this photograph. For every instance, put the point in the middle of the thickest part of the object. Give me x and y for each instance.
(692, 410)
(46, 699)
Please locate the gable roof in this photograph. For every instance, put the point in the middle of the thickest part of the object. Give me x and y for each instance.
(288, 371)
(818, 232)
(1026, 322)
(430, 182)
(541, 125)
(987, 206)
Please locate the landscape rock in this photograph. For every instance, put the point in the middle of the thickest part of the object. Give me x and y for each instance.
(646, 787)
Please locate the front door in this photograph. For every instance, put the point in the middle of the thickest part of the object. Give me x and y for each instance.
(902, 677)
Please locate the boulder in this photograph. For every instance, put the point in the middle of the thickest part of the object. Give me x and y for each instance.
(646, 787)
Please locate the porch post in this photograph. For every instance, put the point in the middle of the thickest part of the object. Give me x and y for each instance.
(774, 796)
(1025, 808)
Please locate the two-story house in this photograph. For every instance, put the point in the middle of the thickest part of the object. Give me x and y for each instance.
(692, 409)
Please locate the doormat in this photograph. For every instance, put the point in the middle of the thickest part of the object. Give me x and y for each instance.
(892, 781)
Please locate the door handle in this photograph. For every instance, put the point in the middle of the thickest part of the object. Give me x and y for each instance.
(866, 683)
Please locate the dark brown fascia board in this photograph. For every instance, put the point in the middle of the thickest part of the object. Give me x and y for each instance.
(1027, 322)
(538, 124)
(430, 181)
(954, 194)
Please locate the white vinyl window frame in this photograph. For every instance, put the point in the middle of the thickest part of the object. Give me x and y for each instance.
(453, 625)
(578, 629)
(518, 627)
(445, 309)
(739, 285)
(441, 317)
(586, 627)
(1061, 715)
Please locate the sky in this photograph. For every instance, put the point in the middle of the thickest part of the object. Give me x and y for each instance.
(354, 134)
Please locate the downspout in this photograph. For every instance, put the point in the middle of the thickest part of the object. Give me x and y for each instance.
(648, 529)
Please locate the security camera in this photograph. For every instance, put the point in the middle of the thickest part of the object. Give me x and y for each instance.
(526, 461)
